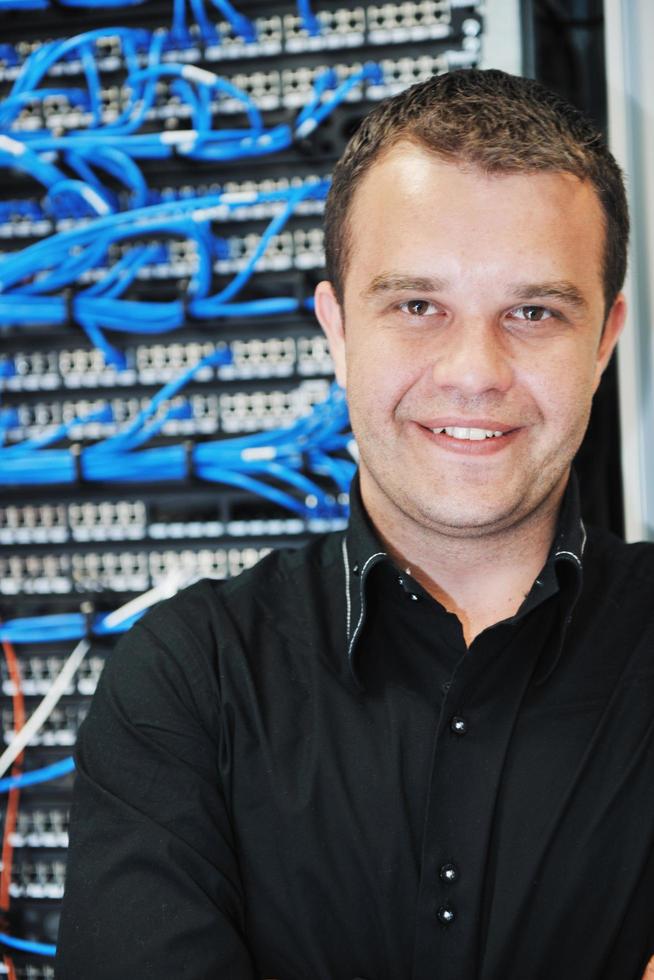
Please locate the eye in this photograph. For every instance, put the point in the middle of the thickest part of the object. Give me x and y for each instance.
(418, 307)
(532, 314)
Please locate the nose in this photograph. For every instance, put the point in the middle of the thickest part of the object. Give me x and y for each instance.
(472, 358)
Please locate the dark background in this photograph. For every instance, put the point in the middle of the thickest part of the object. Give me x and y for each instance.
(563, 47)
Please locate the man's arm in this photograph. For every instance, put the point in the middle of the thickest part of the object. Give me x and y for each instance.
(153, 887)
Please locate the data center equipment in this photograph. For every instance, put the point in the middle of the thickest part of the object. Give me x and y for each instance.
(167, 406)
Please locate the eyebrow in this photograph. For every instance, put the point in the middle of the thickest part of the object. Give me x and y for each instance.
(389, 283)
(561, 290)
(566, 292)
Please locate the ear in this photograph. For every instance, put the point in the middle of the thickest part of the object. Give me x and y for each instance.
(330, 317)
(613, 327)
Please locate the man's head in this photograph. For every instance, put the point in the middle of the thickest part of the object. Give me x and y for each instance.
(500, 124)
(475, 302)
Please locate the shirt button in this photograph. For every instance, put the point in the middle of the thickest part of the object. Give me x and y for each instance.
(449, 872)
(458, 725)
(445, 915)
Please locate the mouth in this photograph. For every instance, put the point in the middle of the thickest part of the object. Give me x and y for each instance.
(471, 434)
(471, 440)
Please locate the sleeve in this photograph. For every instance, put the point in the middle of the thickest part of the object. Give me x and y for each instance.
(152, 886)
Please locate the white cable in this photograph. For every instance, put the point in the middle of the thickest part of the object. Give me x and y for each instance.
(166, 588)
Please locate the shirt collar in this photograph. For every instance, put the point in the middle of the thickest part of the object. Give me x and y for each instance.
(362, 550)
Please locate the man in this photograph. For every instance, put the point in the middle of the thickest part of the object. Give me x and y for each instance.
(424, 748)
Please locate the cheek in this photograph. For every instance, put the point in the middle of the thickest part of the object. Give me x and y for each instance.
(381, 367)
(563, 392)
(378, 373)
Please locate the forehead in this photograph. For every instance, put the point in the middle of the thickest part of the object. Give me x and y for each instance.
(413, 206)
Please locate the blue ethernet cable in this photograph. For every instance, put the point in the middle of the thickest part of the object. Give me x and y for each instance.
(24, 5)
(208, 31)
(371, 72)
(239, 23)
(62, 627)
(295, 196)
(309, 20)
(200, 143)
(169, 390)
(27, 945)
(200, 77)
(116, 163)
(34, 776)
(58, 432)
(240, 462)
(104, 4)
(39, 63)
(322, 83)
(92, 80)
(16, 103)
(15, 154)
(86, 248)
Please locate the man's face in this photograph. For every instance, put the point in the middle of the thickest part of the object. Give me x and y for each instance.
(470, 342)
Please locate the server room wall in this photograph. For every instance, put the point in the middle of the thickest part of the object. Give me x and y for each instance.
(167, 409)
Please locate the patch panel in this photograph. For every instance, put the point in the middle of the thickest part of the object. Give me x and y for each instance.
(34, 575)
(37, 224)
(38, 672)
(58, 731)
(37, 878)
(153, 364)
(399, 73)
(270, 90)
(107, 520)
(402, 22)
(229, 412)
(260, 357)
(33, 524)
(41, 827)
(33, 971)
(111, 571)
(218, 563)
(40, 524)
(125, 571)
(299, 249)
(249, 411)
(313, 356)
(33, 419)
(341, 28)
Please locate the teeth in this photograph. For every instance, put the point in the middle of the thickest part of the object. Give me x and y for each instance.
(458, 432)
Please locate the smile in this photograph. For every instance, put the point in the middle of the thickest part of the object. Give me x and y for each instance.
(476, 435)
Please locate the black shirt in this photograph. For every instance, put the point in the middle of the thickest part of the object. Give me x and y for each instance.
(302, 773)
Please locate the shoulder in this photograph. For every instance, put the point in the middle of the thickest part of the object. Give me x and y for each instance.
(196, 647)
(617, 558)
(618, 575)
(282, 587)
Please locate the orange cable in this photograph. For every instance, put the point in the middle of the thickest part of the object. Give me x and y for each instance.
(11, 815)
(9, 966)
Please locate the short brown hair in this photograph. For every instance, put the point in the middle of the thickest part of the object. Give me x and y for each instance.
(502, 124)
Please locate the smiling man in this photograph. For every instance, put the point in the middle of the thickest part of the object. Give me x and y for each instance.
(424, 747)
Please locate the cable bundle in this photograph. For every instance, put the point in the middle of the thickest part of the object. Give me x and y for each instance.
(30, 279)
(267, 464)
(198, 89)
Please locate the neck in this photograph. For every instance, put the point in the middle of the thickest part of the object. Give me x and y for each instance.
(481, 578)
